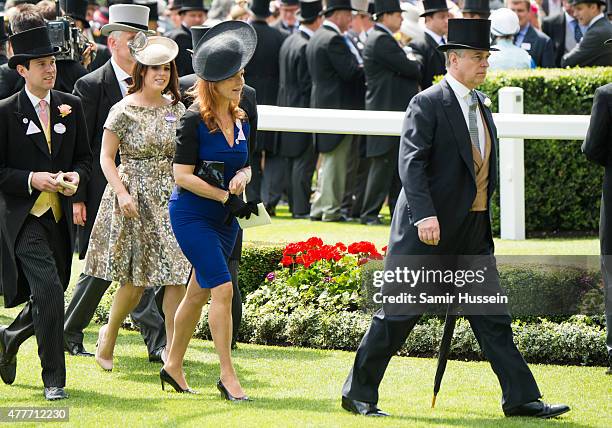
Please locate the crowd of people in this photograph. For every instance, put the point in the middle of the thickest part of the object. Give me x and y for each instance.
(147, 142)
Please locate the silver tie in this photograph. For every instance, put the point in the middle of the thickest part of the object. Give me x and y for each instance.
(473, 124)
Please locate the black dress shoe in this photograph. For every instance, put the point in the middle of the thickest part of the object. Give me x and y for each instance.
(315, 218)
(300, 216)
(8, 362)
(157, 356)
(341, 219)
(538, 409)
(361, 408)
(371, 221)
(76, 349)
(55, 393)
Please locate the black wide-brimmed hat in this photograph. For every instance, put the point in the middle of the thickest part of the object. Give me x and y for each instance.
(433, 6)
(187, 5)
(309, 10)
(261, 8)
(477, 6)
(337, 5)
(385, 6)
(76, 9)
(472, 34)
(3, 36)
(31, 44)
(224, 50)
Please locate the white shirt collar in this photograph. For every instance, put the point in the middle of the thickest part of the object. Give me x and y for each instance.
(35, 100)
(332, 25)
(306, 30)
(435, 36)
(384, 27)
(569, 18)
(594, 20)
(119, 72)
(458, 88)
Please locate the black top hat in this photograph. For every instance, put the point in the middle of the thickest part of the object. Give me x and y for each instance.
(3, 36)
(187, 5)
(433, 6)
(575, 2)
(152, 5)
(371, 7)
(76, 9)
(476, 6)
(338, 5)
(31, 44)
(385, 6)
(197, 32)
(176, 5)
(289, 2)
(468, 34)
(609, 7)
(261, 8)
(224, 50)
(309, 10)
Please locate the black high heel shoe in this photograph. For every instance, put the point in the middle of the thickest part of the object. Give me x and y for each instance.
(226, 394)
(165, 377)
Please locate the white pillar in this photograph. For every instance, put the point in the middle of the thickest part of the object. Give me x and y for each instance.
(512, 170)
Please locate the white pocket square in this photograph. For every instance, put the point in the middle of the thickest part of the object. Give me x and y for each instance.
(32, 128)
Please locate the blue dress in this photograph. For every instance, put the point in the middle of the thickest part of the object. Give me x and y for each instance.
(198, 222)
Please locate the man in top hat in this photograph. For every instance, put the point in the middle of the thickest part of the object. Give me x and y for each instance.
(153, 13)
(448, 168)
(42, 133)
(294, 89)
(3, 39)
(476, 9)
(564, 30)
(536, 43)
(589, 52)
(436, 26)
(261, 73)
(335, 72)
(393, 79)
(287, 22)
(248, 103)
(191, 12)
(596, 147)
(99, 91)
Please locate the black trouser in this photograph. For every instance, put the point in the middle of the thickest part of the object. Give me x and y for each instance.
(253, 189)
(387, 334)
(41, 249)
(606, 270)
(86, 298)
(355, 187)
(274, 180)
(301, 170)
(383, 180)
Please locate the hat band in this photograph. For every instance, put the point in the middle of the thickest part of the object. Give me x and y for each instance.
(131, 24)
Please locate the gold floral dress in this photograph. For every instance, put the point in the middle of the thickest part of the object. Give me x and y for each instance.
(142, 251)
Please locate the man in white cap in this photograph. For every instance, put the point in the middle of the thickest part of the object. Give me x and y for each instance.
(99, 91)
(504, 26)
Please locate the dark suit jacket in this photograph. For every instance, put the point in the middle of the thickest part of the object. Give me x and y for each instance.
(21, 154)
(248, 103)
(541, 49)
(261, 73)
(335, 72)
(98, 91)
(554, 27)
(591, 50)
(434, 63)
(182, 37)
(294, 89)
(3, 59)
(596, 147)
(436, 169)
(68, 72)
(392, 81)
(285, 31)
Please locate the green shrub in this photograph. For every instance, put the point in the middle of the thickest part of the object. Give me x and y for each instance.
(255, 264)
(562, 190)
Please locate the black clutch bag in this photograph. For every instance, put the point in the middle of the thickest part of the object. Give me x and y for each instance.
(212, 172)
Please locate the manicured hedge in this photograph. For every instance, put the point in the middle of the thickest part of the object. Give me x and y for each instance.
(562, 190)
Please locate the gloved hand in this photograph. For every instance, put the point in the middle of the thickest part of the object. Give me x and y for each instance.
(239, 208)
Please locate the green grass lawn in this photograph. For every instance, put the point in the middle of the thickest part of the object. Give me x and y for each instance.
(295, 387)
(285, 229)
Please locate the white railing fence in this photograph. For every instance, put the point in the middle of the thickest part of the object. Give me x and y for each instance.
(513, 128)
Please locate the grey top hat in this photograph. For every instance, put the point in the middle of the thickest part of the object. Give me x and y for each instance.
(127, 17)
(154, 50)
(224, 50)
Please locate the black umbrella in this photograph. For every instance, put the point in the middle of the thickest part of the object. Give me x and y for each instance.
(445, 344)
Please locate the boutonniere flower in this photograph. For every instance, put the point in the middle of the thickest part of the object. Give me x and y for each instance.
(487, 102)
(64, 110)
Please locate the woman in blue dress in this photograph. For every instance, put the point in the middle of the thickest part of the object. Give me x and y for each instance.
(203, 215)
